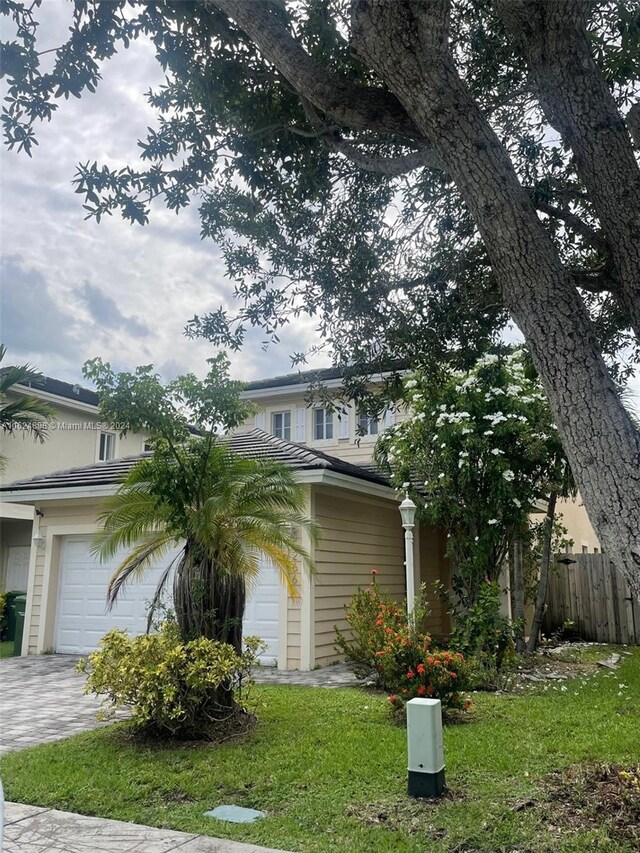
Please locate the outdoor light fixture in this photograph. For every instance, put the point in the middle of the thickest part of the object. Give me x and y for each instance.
(38, 541)
(425, 748)
(408, 514)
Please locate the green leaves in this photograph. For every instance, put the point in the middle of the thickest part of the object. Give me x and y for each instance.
(482, 450)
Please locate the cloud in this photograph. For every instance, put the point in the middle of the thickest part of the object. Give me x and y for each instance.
(31, 319)
(106, 313)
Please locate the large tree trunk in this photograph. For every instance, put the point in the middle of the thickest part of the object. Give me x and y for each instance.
(543, 581)
(407, 43)
(578, 102)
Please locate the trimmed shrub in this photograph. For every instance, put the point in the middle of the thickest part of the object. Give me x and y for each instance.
(171, 687)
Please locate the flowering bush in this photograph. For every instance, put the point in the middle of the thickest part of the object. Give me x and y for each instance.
(171, 687)
(484, 448)
(398, 652)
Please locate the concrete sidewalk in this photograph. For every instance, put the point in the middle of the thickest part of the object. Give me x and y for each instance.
(29, 829)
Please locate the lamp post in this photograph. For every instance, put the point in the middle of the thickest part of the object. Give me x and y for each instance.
(408, 514)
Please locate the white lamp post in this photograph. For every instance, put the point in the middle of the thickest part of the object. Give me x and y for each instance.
(408, 513)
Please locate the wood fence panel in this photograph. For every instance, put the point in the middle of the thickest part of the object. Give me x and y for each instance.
(592, 593)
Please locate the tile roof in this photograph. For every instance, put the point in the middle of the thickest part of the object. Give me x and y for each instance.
(67, 390)
(254, 444)
(308, 377)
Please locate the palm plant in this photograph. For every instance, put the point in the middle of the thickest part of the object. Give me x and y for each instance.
(26, 412)
(226, 511)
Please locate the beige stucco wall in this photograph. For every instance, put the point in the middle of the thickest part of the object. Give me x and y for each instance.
(572, 513)
(72, 440)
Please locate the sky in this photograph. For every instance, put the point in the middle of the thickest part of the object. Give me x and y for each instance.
(73, 289)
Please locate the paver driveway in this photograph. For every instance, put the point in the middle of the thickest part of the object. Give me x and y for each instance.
(42, 699)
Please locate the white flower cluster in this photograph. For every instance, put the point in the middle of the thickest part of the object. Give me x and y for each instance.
(496, 418)
(486, 360)
(452, 418)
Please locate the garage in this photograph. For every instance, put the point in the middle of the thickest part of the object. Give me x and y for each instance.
(82, 617)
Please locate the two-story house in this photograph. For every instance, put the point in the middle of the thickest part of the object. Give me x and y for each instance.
(75, 436)
(355, 507)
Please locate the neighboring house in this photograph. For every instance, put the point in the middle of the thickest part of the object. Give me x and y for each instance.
(282, 410)
(355, 507)
(75, 437)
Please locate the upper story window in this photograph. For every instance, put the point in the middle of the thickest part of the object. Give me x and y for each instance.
(322, 424)
(281, 425)
(107, 449)
(367, 425)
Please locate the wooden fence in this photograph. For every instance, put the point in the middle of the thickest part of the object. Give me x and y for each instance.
(592, 593)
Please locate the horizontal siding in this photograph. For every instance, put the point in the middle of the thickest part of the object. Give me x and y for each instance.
(358, 534)
(293, 635)
(433, 567)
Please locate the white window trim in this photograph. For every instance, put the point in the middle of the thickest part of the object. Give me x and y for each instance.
(116, 443)
(323, 441)
(369, 437)
(282, 412)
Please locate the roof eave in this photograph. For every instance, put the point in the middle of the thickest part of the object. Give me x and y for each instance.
(316, 476)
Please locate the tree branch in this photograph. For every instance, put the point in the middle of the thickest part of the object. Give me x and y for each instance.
(345, 102)
(594, 280)
(579, 226)
(389, 166)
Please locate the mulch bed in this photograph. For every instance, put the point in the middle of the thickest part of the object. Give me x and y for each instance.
(235, 727)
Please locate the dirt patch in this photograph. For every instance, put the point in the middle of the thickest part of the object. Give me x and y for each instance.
(596, 795)
(405, 814)
(234, 728)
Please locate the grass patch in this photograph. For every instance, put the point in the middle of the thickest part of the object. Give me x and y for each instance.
(6, 649)
(329, 768)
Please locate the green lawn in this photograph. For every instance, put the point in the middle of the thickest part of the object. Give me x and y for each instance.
(6, 649)
(325, 764)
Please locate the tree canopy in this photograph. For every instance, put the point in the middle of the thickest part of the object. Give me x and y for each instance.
(412, 174)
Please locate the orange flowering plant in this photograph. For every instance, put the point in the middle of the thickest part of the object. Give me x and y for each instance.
(397, 653)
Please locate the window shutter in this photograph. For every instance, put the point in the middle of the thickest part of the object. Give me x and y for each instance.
(300, 435)
(388, 419)
(260, 420)
(343, 424)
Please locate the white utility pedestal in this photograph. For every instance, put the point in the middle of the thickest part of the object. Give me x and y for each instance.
(425, 748)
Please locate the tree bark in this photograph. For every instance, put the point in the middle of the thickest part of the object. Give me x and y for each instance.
(543, 581)
(407, 44)
(578, 102)
(518, 593)
(208, 602)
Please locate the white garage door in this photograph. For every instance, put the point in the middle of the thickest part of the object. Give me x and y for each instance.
(82, 617)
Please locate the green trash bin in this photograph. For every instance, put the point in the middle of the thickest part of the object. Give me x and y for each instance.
(20, 606)
(11, 612)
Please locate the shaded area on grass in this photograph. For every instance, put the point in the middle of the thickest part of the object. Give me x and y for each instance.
(319, 759)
